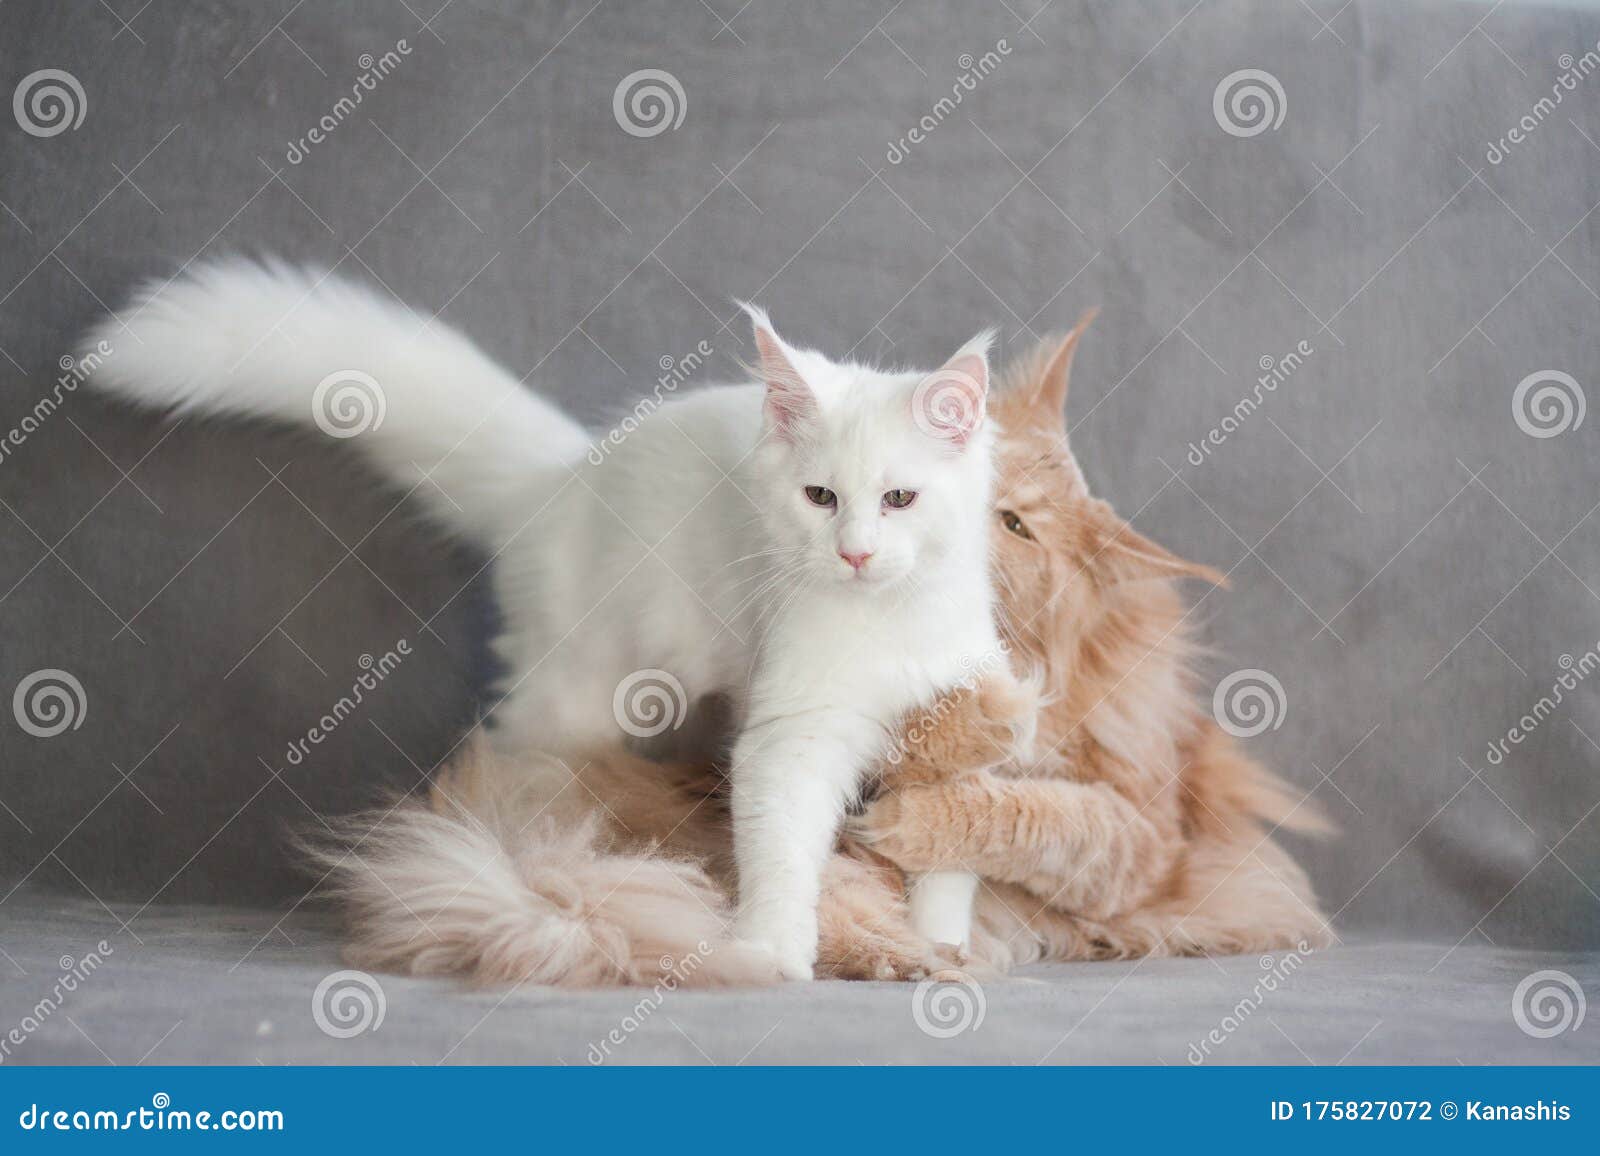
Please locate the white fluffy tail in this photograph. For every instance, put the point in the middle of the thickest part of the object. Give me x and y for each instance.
(487, 884)
(419, 399)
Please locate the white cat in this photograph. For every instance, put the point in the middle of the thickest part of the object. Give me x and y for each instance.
(814, 545)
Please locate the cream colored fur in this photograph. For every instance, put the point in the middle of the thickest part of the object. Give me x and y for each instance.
(1138, 829)
(493, 881)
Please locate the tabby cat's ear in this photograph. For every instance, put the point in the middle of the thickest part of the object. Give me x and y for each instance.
(1122, 554)
(1050, 390)
(791, 406)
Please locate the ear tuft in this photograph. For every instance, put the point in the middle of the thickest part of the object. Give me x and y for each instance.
(1124, 555)
(949, 404)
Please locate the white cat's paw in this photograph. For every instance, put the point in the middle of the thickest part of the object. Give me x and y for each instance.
(796, 968)
(793, 946)
(792, 964)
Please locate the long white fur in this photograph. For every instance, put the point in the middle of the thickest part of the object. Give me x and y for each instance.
(254, 340)
(688, 548)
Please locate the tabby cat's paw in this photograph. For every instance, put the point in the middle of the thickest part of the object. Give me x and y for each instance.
(900, 825)
(878, 957)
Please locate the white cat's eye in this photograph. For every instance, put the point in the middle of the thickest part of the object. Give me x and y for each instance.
(1009, 519)
(822, 496)
(899, 499)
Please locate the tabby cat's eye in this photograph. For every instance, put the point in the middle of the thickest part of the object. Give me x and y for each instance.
(822, 496)
(1009, 519)
(899, 499)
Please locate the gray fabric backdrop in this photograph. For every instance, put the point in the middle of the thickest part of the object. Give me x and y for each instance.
(1411, 564)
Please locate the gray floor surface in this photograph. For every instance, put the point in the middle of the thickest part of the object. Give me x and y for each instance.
(223, 985)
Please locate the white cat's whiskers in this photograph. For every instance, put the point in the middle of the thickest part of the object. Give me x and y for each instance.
(773, 577)
(779, 551)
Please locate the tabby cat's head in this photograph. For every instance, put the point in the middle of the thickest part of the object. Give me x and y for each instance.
(1062, 556)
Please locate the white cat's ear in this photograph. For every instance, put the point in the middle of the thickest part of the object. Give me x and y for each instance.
(950, 403)
(790, 405)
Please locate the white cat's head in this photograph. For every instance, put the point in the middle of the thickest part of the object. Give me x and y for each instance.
(871, 477)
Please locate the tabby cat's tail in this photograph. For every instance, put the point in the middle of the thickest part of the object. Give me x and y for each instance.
(419, 400)
(491, 882)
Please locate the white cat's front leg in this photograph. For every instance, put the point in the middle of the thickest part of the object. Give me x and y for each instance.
(941, 905)
(792, 779)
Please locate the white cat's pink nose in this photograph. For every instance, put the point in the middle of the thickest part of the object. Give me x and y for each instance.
(856, 560)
